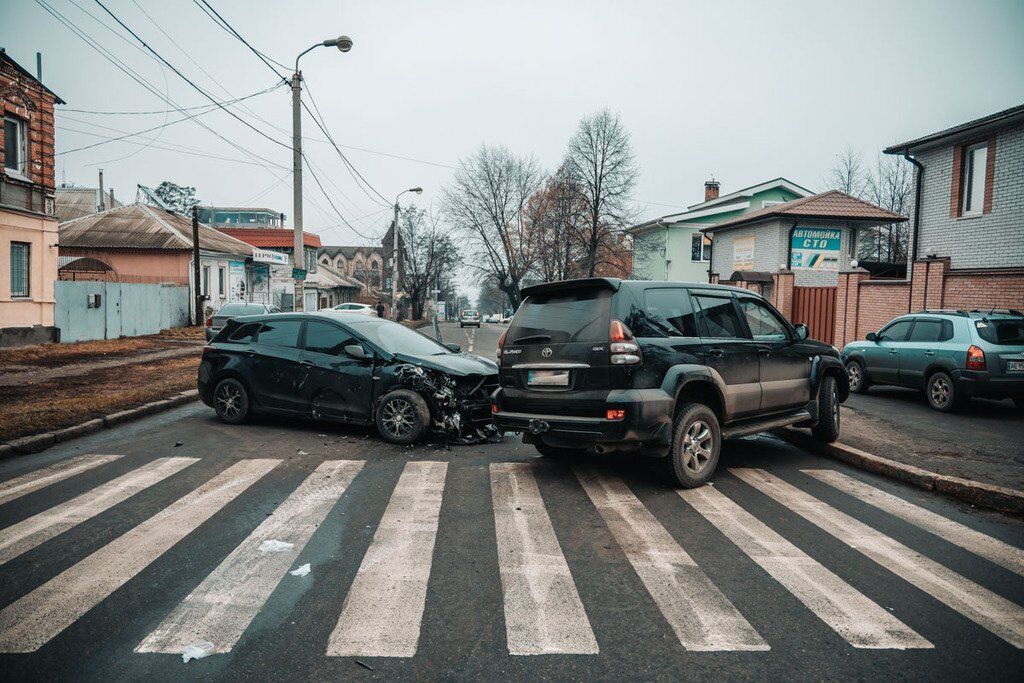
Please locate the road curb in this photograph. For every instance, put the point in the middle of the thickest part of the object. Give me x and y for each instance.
(974, 492)
(40, 442)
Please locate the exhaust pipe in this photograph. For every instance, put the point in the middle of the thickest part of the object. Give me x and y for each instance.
(602, 449)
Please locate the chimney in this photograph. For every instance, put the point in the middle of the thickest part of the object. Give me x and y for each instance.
(711, 190)
(112, 198)
(101, 199)
(39, 67)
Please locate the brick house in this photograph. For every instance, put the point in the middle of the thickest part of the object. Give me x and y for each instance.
(967, 230)
(28, 227)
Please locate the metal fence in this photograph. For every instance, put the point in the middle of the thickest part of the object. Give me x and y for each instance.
(87, 310)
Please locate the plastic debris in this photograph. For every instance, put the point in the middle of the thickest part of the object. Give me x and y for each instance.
(178, 444)
(301, 571)
(364, 665)
(301, 452)
(197, 651)
(272, 546)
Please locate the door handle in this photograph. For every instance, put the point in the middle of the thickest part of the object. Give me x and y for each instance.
(765, 352)
(250, 352)
(893, 352)
(307, 363)
(717, 353)
(929, 353)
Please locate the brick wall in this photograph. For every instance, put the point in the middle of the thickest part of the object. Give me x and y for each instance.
(25, 98)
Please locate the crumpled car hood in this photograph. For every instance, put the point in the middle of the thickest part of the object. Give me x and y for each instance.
(460, 364)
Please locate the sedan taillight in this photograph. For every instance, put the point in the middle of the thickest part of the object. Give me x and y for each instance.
(975, 358)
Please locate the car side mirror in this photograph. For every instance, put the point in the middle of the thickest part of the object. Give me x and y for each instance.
(871, 336)
(801, 332)
(454, 348)
(355, 350)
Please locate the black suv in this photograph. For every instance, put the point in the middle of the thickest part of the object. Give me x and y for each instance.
(667, 369)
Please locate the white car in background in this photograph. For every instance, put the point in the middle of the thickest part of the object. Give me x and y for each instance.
(352, 307)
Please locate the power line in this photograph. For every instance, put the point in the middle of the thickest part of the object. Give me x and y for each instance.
(227, 27)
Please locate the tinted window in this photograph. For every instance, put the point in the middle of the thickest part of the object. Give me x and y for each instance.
(926, 331)
(325, 338)
(245, 334)
(280, 332)
(717, 317)
(896, 331)
(763, 323)
(1001, 331)
(563, 318)
(668, 314)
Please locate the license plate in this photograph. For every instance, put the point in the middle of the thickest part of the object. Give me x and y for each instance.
(547, 378)
(1015, 366)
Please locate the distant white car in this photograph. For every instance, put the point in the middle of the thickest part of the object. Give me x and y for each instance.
(492, 318)
(469, 317)
(352, 307)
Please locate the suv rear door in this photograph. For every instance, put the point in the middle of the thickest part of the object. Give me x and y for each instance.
(728, 351)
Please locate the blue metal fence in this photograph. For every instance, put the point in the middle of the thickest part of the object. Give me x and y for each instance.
(87, 310)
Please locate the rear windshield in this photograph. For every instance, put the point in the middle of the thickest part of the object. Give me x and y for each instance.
(241, 309)
(563, 318)
(1009, 331)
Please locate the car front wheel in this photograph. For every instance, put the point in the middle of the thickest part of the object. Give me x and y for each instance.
(696, 445)
(942, 393)
(231, 401)
(402, 416)
(858, 377)
(827, 427)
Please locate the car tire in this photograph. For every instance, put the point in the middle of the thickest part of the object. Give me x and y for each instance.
(941, 393)
(558, 452)
(231, 401)
(402, 417)
(696, 445)
(857, 375)
(827, 427)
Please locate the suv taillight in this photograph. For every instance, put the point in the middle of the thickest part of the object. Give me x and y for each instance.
(501, 342)
(209, 322)
(624, 350)
(975, 358)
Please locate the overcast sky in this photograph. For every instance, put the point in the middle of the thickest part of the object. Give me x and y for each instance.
(746, 91)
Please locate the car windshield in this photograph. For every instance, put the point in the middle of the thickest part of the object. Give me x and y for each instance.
(1001, 330)
(395, 338)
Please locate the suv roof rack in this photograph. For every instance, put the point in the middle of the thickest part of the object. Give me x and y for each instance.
(1001, 311)
(943, 311)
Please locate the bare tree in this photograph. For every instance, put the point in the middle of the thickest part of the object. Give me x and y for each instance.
(848, 174)
(600, 160)
(555, 214)
(487, 202)
(431, 256)
(890, 186)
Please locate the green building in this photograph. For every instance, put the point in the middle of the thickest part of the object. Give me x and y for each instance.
(673, 248)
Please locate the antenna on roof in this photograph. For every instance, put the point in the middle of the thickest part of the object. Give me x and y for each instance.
(150, 197)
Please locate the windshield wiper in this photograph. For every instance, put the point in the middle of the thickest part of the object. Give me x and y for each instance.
(532, 337)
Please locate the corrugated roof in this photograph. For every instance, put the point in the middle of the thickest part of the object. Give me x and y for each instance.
(832, 204)
(139, 226)
(1005, 116)
(74, 202)
(271, 237)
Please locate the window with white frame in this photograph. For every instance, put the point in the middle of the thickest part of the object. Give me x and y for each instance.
(16, 145)
(21, 253)
(700, 247)
(205, 289)
(973, 183)
(222, 280)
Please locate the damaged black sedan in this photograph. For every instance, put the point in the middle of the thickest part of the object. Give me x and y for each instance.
(345, 367)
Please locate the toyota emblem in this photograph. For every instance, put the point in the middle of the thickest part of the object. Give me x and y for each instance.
(546, 352)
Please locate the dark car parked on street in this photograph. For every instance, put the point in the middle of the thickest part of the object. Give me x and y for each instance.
(665, 369)
(951, 355)
(346, 367)
(227, 311)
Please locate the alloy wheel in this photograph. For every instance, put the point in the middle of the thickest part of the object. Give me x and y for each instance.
(697, 445)
(229, 400)
(398, 417)
(939, 391)
(853, 374)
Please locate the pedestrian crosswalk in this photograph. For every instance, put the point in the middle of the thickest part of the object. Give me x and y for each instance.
(380, 611)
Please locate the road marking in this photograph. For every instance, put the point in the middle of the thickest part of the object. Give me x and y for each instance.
(543, 610)
(36, 530)
(383, 611)
(990, 611)
(33, 481)
(225, 603)
(862, 622)
(1003, 554)
(701, 616)
(35, 618)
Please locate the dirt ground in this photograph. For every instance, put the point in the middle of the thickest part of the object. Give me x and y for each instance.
(55, 355)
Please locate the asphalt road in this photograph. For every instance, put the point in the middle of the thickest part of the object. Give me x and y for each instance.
(484, 562)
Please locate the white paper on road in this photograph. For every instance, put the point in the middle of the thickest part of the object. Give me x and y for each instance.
(197, 651)
(862, 622)
(226, 602)
(990, 611)
(301, 571)
(543, 610)
(275, 546)
(383, 611)
(34, 531)
(33, 620)
(992, 549)
(33, 481)
(701, 616)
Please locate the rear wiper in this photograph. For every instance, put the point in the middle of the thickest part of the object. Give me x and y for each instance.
(532, 337)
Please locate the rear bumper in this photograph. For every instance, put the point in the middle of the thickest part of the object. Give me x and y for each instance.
(648, 422)
(984, 385)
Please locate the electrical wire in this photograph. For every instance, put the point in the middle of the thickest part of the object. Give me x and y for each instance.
(227, 27)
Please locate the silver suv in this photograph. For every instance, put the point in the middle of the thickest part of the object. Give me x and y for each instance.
(951, 354)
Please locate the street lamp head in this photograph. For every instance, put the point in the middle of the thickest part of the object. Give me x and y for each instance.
(417, 190)
(343, 43)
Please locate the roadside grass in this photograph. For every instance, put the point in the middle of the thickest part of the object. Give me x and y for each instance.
(46, 406)
(51, 355)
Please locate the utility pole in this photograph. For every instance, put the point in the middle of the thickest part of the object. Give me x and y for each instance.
(299, 247)
(394, 266)
(195, 266)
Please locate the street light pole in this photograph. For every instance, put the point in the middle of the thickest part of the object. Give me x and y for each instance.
(394, 254)
(344, 44)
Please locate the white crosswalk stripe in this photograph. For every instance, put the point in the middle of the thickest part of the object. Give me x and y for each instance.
(383, 610)
(990, 611)
(543, 610)
(701, 616)
(33, 620)
(978, 543)
(37, 479)
(225, 603)
(27, 534)
(860, 621)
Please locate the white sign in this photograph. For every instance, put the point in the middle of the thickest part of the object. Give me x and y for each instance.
(265, 256)
(743, 253)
